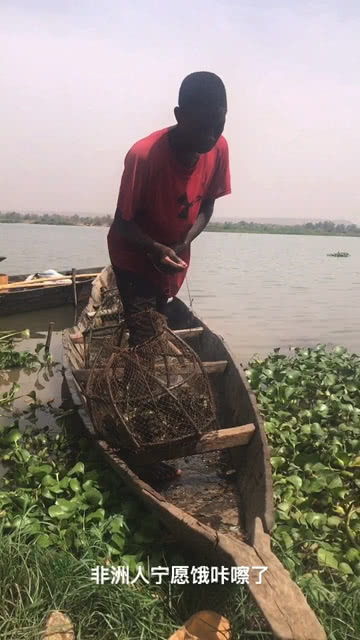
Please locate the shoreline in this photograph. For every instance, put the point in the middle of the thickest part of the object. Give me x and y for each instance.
(213, 229)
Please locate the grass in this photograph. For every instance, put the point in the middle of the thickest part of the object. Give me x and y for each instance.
(37, 581)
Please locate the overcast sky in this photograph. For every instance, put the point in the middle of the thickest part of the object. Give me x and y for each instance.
(81, 80)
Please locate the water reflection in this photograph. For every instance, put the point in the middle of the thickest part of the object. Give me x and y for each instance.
(38, 321)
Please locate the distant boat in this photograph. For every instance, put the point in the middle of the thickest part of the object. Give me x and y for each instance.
(339, 254)
(46, 290)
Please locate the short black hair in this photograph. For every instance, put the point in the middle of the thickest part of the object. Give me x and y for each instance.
(201, 89)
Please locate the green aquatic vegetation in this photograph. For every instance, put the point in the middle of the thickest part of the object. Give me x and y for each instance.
(63, 513)
(9, 358)
(311, 404)
(55, 500)
(12, 359)
(39, 361)
(8, 397)
(56, 493)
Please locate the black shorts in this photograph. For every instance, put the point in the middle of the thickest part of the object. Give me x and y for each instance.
(138, 294)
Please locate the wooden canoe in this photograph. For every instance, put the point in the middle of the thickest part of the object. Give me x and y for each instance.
(228, 523)
(36, 296)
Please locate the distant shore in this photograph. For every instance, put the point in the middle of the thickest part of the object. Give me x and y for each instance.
(56, 219)
(326, 228)
(299, 230)
(321, 228)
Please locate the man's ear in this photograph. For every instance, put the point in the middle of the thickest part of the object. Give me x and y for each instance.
(177, 114)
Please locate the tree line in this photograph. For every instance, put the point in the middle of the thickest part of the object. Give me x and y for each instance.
(326, 227)
(56, 218)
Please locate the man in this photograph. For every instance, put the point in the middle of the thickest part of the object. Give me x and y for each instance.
(170, 182)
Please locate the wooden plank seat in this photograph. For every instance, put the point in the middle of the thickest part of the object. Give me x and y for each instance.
(186, 334)
(211, 441)
(219, 366)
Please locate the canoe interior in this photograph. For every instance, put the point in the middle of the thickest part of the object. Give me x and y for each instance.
(212, 487)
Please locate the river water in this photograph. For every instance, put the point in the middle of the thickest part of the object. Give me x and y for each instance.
(258, 291)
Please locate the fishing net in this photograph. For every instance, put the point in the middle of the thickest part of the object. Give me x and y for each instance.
(110, 309)
(104, 329)
(156, 393)
(102, 290)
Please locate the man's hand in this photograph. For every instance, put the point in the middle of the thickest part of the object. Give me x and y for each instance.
(166, 259)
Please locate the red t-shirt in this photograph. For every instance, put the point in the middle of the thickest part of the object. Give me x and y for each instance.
(164, 198)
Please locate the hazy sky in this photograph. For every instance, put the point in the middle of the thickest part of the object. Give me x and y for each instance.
(81, 80)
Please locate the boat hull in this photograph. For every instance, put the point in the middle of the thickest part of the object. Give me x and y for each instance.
(45, 297)
(280, 600)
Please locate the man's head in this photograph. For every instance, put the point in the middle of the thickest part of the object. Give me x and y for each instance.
(202, 111)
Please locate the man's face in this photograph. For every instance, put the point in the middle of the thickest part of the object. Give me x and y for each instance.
(201, 127)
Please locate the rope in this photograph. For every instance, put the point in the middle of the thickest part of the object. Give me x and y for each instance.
(191, 300)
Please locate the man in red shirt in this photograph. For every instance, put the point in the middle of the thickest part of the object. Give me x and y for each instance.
(170, 182)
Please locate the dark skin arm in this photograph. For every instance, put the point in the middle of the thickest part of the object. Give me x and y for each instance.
(161, 254)
(205, 213)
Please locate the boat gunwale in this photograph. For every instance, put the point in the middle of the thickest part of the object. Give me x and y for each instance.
(64, 272)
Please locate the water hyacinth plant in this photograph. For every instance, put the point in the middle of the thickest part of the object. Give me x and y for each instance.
(311, 404)
(55, 500)
(9, 358)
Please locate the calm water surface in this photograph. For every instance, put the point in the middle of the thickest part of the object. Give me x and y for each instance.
(257, 291)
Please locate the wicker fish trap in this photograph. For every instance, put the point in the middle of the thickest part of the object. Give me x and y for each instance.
(156, 393)
(105, 330)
